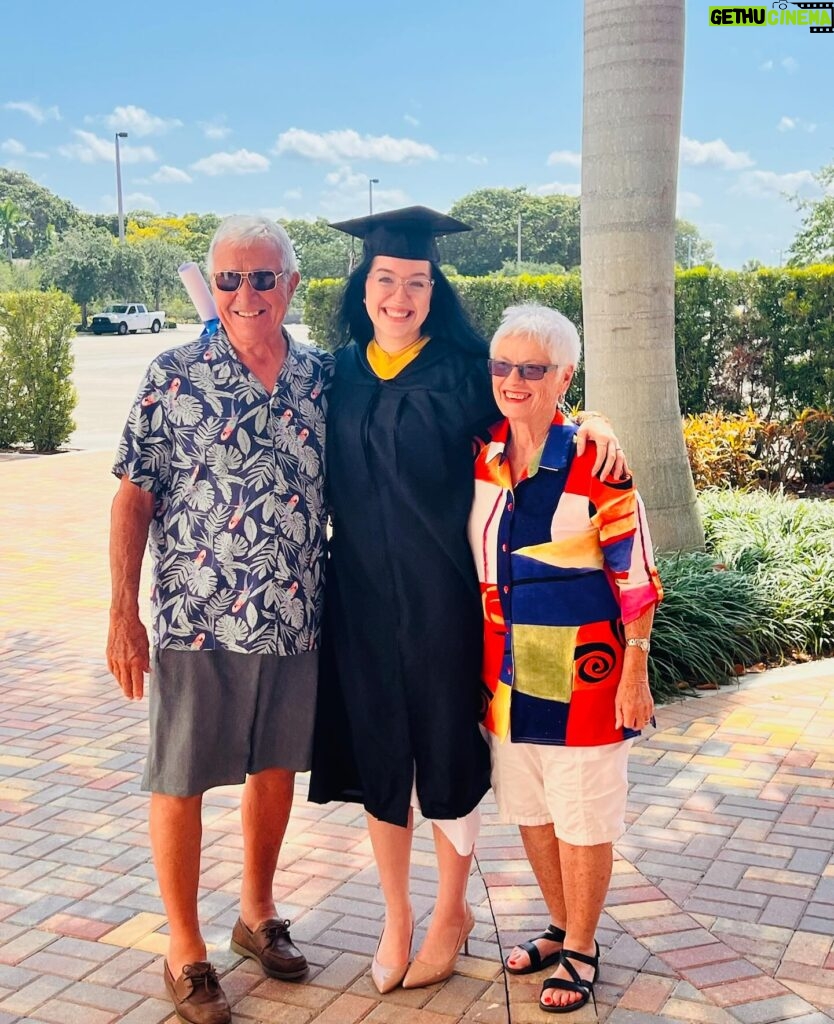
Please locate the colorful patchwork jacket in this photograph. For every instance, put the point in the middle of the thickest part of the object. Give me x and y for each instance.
(563, 559)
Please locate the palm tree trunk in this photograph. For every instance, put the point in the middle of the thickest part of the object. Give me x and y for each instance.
(630, 143)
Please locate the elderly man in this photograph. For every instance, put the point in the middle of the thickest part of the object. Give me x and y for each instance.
(220, 463)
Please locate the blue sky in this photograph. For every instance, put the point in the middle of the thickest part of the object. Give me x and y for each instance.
(288, 109)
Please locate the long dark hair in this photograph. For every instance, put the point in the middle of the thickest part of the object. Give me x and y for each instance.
(447, 318)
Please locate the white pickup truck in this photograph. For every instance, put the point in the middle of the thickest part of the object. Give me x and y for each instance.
(128, 316)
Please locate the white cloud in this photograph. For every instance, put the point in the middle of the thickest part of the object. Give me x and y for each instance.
(91, 149)
(787, 124)
(689, 201)
(347, 144)
(411, 119)
(242, 161)
(564, 156)
(557, 188)
(140, 201)
(135, 121)
(716, 153)
(274, 212)
(171, 176)
(293, 193)
(348, 193)
(13, 147)
(36, 112)
(215, 129)
(766, 184)
(786, 63)
(477, 159)
(132, 201)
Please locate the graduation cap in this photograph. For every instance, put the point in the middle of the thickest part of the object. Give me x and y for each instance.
(408, 234)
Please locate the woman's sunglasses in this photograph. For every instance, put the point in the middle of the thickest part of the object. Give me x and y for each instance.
(527, 371)
(260, 280)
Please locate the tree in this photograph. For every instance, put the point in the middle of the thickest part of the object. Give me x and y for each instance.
(691, 248)
(126, 278)
(80, 264)
(40, 207)
(192, 232)
(321, 251)
(12, 223)
(161, 261)
(630, 138)
(814, 242)
(492, 213)
(549, 230)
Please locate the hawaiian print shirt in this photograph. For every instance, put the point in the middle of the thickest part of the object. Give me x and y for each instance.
(237, 539)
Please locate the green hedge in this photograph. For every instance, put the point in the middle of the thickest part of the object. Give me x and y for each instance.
(37, 396)
(763, 339)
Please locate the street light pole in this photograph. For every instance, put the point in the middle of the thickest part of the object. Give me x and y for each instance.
(371, 183)
(120, 135)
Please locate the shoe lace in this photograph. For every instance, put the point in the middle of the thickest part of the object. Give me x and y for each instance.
(201, 974)
(275, 929)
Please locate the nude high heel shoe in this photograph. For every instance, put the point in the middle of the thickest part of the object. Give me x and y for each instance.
(421, 974)
(386, 979)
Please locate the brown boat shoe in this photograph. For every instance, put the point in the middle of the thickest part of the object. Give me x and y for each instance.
(197, 995)
(270, 944)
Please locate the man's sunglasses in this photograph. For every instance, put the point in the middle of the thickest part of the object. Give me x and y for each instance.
(527, 371)
(260, 280)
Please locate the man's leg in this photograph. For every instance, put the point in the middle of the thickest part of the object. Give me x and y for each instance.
(542, 849)
(176, 832)
(265, 811)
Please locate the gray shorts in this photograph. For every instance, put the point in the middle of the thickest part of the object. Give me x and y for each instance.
(218, 716)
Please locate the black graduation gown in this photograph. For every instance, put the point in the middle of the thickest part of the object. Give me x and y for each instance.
(400, 680)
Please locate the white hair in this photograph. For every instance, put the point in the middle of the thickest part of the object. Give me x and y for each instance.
(245, 229)
(554, 332)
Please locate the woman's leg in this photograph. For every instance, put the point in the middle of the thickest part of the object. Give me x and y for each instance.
(450, 909)
(392, 853)
(542, 849)
(587, 874)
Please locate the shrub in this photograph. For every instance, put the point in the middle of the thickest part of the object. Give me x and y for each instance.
(709, 624)
(729, 450)
(37, 328)
(763, 591)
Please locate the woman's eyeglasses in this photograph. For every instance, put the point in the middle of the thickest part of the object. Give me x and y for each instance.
(527, 371)
(389, 282)
(260, 280)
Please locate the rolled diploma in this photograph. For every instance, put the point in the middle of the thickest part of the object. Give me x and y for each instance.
(198, 292)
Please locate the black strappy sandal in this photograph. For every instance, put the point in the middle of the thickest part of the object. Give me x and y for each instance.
(537, 961)
(584, 988)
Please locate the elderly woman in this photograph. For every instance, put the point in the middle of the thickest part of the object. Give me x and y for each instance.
(399, 692)
(568, 589)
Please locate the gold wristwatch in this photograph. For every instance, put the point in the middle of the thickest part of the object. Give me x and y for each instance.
(639, 641)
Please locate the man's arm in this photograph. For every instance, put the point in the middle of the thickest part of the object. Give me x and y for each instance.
(610, 460)
(127, 641)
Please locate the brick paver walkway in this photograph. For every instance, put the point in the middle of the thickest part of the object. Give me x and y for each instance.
(722, 901)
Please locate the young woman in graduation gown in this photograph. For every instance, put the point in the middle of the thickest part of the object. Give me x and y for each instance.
(400, 692)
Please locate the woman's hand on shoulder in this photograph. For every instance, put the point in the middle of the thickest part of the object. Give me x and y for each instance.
(610, 460)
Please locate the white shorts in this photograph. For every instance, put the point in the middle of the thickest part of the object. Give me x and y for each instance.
(581, 791)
